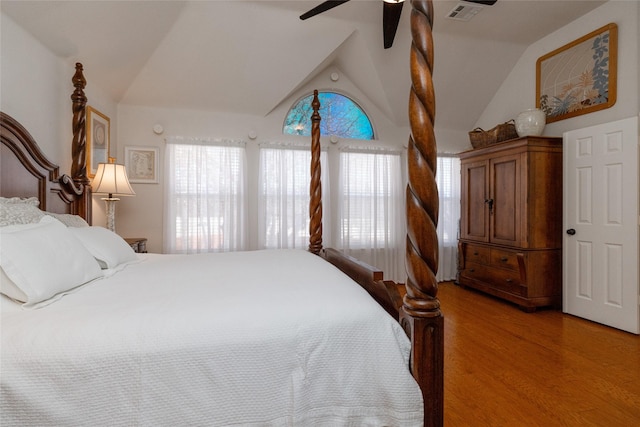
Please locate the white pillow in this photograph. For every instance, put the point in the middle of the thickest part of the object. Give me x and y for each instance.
(8, 288)
(69, 220)
(106, 246)
(33, 201)
(43, 260)
(12, 213)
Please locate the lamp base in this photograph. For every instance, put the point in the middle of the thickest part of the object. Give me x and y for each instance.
(110, 203)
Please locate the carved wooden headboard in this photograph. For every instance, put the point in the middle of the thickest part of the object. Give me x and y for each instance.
(26, 172)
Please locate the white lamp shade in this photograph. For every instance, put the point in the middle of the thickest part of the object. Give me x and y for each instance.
(111, 178)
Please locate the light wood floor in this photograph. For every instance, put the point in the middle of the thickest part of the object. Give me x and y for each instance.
(504, 367)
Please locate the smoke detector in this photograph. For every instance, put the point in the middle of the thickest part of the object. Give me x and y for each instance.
(464, 11)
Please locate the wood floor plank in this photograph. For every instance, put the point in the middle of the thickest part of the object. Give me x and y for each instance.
(505, 367)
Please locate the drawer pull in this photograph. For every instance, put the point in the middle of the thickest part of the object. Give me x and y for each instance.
(504, 259)
(471, 270)
(475, 253)
(509, 280)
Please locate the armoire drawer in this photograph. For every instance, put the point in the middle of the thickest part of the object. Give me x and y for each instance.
(478, 254)
(506, 280)
(504, 259)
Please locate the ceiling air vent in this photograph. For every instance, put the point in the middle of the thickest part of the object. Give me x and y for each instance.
(464, 11)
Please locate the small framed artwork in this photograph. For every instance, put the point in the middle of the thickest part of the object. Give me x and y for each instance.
(142, 164)
(98, 129)
(580, 77)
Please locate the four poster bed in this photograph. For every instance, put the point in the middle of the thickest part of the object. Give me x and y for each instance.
(130, 340)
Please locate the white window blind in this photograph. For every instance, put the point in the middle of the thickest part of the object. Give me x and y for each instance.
(205, 201)
(371, 211)
(283, 195)
(448, 181)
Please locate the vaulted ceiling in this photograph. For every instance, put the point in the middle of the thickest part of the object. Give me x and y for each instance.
(250, 56)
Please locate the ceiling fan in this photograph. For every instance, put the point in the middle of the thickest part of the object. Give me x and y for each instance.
(392, 9)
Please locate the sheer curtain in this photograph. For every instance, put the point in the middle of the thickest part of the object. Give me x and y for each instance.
(205, 200)
(283, 195)
(371, 212)
(448, 180)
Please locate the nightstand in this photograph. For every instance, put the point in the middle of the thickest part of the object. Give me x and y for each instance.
(138, 244)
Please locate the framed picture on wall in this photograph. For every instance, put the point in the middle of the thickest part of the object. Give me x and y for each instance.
(98, 129)
(580, 77)
(142, 164)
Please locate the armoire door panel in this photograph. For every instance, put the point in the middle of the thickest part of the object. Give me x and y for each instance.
(505, 216)
(474, 206)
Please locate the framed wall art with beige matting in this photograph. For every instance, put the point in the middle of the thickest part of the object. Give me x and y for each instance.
(580, 77)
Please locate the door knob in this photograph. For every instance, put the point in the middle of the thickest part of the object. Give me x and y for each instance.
(571, 232)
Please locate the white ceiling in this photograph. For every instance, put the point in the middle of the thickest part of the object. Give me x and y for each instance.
(249, 56)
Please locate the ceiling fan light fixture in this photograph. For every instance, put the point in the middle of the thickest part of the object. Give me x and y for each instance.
(393, 1)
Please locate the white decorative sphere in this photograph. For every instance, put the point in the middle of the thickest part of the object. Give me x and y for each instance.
(531, 122)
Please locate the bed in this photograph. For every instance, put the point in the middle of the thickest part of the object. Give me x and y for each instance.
(118, 338)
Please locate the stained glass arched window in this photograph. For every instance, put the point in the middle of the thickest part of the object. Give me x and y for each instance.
(341, 117)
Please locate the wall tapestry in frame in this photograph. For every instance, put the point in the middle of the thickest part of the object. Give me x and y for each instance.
(98, 140)
(580, 77)
(142, 164)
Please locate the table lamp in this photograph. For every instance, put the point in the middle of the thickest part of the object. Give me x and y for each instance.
(111, 179)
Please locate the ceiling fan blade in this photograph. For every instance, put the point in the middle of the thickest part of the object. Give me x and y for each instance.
(390, 18)
(322, 7)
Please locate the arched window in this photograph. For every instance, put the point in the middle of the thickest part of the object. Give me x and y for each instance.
(341, 117)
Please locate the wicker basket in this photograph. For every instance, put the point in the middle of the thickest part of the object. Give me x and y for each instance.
(481, 138)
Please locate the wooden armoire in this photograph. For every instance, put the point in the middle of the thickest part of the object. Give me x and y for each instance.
(510, 241)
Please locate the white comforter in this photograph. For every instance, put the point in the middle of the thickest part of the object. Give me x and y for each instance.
(264, 338)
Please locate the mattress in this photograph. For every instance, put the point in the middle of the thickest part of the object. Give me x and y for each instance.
(259, 338)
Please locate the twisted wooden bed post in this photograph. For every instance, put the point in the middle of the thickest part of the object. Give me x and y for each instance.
(420, 314)
(79, 145)
(315, 204)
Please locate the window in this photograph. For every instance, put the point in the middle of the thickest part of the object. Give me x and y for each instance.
(205, 200)
(341, 117)
(283, 197)
(371, 211)
(370, 185)
(448, 181)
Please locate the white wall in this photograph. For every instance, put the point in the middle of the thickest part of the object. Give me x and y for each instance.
(36, 88)
(142, 215)
(517, 93)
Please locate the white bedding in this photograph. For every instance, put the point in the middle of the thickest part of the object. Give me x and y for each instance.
(264, 338)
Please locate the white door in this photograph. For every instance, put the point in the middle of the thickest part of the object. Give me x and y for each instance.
(600, 247)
